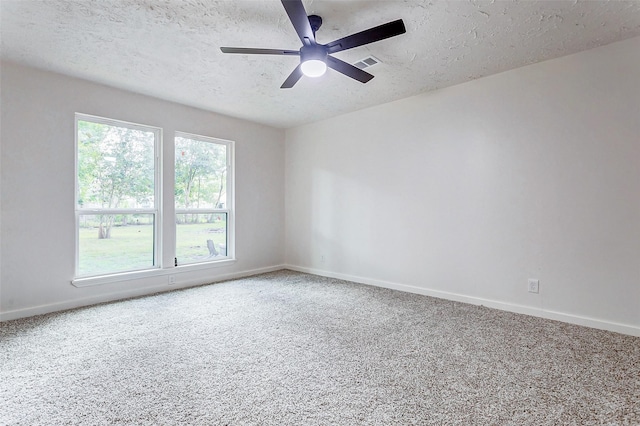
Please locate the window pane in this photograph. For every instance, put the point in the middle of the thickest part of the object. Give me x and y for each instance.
(115, 166)
(115, 243)
(201, 237)
(201, 174)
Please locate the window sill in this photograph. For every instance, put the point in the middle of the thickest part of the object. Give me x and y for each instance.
(148, 273)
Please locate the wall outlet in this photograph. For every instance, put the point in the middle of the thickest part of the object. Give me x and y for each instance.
(534, 286)
(172, 279)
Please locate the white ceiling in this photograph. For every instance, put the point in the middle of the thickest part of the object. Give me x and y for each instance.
(170, 48)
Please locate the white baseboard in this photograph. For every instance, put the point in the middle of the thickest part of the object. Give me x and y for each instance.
(505, 306)
(110, 297)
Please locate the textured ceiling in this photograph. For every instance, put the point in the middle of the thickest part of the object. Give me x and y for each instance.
(170, 48)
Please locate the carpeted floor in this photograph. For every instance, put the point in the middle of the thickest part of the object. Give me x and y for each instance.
(292, 349)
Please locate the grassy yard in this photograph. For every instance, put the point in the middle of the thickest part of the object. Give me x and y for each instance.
(131, 247)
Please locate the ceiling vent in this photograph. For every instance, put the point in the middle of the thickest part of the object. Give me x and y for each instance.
(367, 62)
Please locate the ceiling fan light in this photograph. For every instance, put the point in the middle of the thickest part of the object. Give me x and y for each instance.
(313, 68)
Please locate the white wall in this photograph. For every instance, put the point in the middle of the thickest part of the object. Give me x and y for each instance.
(467, 192)
(37, 188)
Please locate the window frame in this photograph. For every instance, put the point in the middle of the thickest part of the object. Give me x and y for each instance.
(156, 210)
(229, 209)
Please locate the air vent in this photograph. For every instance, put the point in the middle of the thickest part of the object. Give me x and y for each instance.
(367, 62)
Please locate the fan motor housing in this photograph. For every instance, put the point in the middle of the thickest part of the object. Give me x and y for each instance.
(314, 51)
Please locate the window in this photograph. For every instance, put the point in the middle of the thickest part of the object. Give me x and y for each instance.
(119, 208)
(203, 198)
(117, 196)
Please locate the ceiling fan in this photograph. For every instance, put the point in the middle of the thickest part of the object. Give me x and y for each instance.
(314, 57)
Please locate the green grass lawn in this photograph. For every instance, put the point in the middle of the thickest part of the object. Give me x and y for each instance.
(191, 240)
(131, 247)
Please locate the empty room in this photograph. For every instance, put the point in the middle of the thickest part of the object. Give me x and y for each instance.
(319, 212)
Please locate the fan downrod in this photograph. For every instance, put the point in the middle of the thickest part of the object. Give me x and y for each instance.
(316, 22)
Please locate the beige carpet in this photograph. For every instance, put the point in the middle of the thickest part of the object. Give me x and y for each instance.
(292, 349)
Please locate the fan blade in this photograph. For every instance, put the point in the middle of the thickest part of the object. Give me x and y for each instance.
(300, 20)
(251, 51)
(348, 69)
(292, 79)
(390, 29)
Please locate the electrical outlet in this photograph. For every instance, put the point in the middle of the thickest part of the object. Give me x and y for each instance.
(534, 286)
(172, 279)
